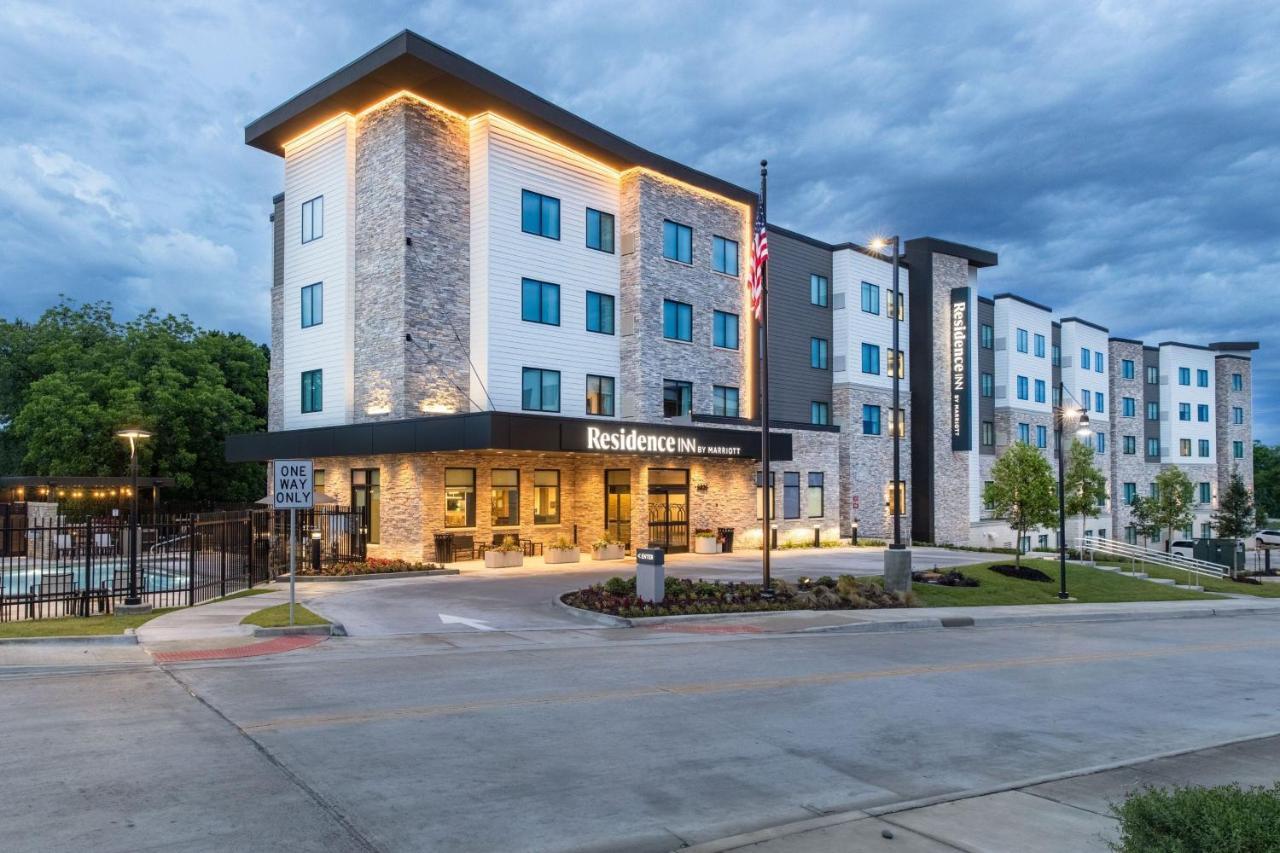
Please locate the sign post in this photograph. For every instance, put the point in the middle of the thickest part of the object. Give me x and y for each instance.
(293, 490)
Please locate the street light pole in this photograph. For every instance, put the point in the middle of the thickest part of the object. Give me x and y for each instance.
(133, 600)
(1060, 416)
(897, 558)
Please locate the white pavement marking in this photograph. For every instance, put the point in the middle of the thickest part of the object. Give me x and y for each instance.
(478, 624)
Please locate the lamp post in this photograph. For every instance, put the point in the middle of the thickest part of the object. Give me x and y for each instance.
(133, 600)
(897, 559)
(1060, 416)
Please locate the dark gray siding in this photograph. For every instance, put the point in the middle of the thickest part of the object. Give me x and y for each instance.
(986, 364)
(1150, 393)
(793, 320)
(920, 319)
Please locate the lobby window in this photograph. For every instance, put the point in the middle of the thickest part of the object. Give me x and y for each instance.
(1153, 410)
(1039, 346)
(540, 390)
(1203, 447)
(1040, 391)
(459, 497)
(773, 497)
(870, 298)
(599, 231)
(815, 497)
(790, 494)
(1130, 445)
(677, 242)
(1129, 407)
(1022, 340)
(366, 498)
(986, 336)
(724, 329)
(871, 359)
(600, 395)
(1153, 448)
(1130, 493)
(1202, 378)
(546, 496)
(988, 434)
(1184, 411)
(1099, 402)
(312, 391)
(1042, 436)
(1024, 433)
(313, 219)
(1237, 415)
(1206, 493)
(1184, 376)
(1097, 363)
(539, 214)
(724, 401)
(986, 385)
(1086, 358)
(818, 353)
(1237, 382)
(677, 320)
(504, 497)
(870, 420)
(1126, 368)
(1056, 353)
(539, 302)
(1237, 449)
(677, 398)
(724, 255)
(1101, 444)
(1153, 374)
(1184, 447)
(896, 363)
(820, 413)
(599, 313)
(1202, 413)
(819, 290)
(312, 305)
(1023, 393)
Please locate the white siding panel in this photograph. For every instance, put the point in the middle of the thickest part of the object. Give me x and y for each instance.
(853, 327)
(1011, 315)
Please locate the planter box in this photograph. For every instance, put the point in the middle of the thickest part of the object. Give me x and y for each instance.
(608, 552)
(705, 545)
(562, 555)
(495, 559)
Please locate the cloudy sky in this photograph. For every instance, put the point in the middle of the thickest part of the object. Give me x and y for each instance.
(1122, 158)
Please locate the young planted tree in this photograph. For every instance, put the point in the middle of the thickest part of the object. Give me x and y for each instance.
(1022, 492)
(1142, 511)
(1085, 485)
(1171, 508)
(1235, 515)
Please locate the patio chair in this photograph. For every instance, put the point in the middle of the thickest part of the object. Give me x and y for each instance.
(464, 545)
(58, 587)
(65, 545)
(103, 544)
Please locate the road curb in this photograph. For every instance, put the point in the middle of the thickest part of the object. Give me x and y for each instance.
(127, 639)
(329, 630)
(606, 619)
(373, 576)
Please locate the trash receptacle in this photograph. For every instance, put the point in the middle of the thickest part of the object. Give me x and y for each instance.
(725, 535)
(444, 547)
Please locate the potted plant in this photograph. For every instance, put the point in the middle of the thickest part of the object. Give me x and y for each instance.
(506, 555)
(562, 550)
(704, 541)
(606, 548)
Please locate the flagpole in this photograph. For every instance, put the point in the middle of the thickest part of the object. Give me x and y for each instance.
(767, 501)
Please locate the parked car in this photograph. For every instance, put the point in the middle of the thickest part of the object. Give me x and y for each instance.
(1266, 538)
(1185, 548)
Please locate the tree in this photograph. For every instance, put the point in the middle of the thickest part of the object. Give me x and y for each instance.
(1234, 518)
(1266, 481)
(1085, 486)
(1022, 492)
(1142, 510)
(1171, 505)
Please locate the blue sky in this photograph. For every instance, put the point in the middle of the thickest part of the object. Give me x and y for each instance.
(1122, 158)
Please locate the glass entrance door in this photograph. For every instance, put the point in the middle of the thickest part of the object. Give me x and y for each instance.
(617, 505)
(669, 508)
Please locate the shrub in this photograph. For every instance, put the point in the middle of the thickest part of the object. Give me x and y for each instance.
(1025, 573)
(827, 581)
(563, 542)
(706, 532)
(620, 586)
(1223, 819)
(951, 577)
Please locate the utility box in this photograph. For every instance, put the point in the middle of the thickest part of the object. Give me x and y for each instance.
(650, 574)
(1228, 553)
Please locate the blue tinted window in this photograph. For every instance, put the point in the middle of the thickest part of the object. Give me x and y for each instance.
(312, 305)
(677, 242)
(818, 353)
(539, 302)
(539, 214)
(724, 255)
(871, 359)
(540, 390)
(819, 412)
(312, 391)
(599, 231)
(870, 420)
(724, 401)
(1022, 387)
(724, 330)
(599, 313)
(1022, 340)
(677, 320)
(870, 298)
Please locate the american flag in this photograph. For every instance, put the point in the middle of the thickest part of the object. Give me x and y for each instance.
(759, 254)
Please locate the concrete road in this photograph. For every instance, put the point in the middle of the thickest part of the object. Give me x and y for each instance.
(599, 740)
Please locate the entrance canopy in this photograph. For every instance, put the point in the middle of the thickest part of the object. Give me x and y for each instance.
(477, 431)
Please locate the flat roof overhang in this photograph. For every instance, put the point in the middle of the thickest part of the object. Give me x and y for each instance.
(479, 431)
(409, 62)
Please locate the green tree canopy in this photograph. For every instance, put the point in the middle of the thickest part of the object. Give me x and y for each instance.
(1171, 505)
(1085, 486)
(1234, 518)
(69, 380)
(1266, 480)
(1144, 522)
(1022, 491)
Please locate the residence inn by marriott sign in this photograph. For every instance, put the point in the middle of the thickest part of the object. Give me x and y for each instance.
(961, 430)
(663, 442)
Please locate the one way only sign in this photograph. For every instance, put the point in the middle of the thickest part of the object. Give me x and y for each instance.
(294, 485)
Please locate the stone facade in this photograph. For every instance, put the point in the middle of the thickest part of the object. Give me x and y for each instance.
(1128, 467)
(1228, 431)
(951, 469)
(275, 373)
(866, 462)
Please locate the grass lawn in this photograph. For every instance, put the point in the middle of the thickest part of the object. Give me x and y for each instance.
(278, 617)
(1086, 585)
(244, 593)
(76, 626)
(1210, 584)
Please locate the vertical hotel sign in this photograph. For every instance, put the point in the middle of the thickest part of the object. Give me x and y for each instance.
(960, 372)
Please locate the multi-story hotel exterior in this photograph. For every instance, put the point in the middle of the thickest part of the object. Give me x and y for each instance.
(490, 317)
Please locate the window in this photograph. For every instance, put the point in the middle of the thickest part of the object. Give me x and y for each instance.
(1202, 378)
(1042, 436)
(1086, 399)
(546, 496)
(1101, 444)
(677, 242)
(896, 363)
(1203, 447)
(724, 330)
(1097, 362)
(1040, 390)
(1184, 376)
(1206, 530)
(1131, 535)
(539, 302)
(1057, 395)
(313, 219)
(1057, 355)
(1184, 447)
(1184, 411)
(815, 497)
(459, 497)
(724, 401)
(1130, 493)
(599, 231)
(1086, 358)
(599, 313)
(986, 504)
(312, 305)
(790, 494)
(600, 395)
(819, 413)
(899, 425)
(988, 434)
(760, 495)
(890, 304)
(897, 498)
(539, 214)
(1202, 413)
(1042, 541)
(870, 298)
(1024, 433)
(1130, 445)
(1129, 407)
(870, 359)
(1153, 447)
(366, 498)
(818, 353)
(504, 497)
(1237, 382)
(540, 390)
(1206, 493)
(1153, 410)
(986, 336)
(1023, 393)
(1126, 368)
(312, 391)
(870, 420)
(986, 385)
(1153, 374)
(724, 255)
(1022, 340)
(1237, 449)
(317, 479)
(677, 320)
(1039, 343)
(677, 398)
(819, 290)
(1099, 403)
(1237, 415)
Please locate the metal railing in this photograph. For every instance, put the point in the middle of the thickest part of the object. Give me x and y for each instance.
(1136, 554)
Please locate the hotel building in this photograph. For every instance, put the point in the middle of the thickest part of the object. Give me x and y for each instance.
(490, 317)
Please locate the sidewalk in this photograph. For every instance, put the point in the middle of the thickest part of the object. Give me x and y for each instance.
(1067, 814)
(218, 621)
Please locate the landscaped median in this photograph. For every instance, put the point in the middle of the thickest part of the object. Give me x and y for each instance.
(369, 569)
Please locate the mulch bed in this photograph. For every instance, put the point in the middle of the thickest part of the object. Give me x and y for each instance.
(1025, 573)
(951, 577)
(371, 566)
